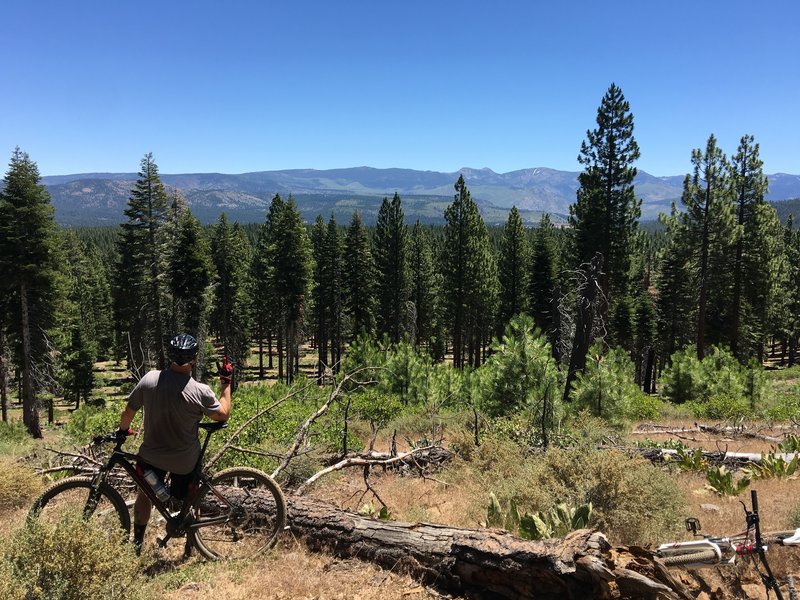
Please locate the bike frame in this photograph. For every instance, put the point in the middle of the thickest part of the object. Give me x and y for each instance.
(176, 523)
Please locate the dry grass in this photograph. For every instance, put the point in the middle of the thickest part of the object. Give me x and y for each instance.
(294, 573)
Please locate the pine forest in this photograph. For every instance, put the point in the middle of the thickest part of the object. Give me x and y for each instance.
(549, 343)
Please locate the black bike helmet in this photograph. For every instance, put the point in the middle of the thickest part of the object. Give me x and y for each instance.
(182, 349)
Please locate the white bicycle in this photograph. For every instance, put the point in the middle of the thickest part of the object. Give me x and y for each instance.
(710, 550)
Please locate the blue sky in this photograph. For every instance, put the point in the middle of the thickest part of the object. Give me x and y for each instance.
(233, 87)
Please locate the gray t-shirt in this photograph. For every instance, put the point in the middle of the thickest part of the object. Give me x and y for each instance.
(173, 406)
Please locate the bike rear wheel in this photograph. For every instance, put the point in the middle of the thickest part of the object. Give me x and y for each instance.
(245, 510)
(699, 556)
(103, 507)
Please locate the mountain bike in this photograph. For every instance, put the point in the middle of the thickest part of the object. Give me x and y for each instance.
(235, 513)
(711, 550)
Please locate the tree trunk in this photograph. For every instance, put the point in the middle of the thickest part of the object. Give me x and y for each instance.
(487, 563)
(584, 322)
(3, 377)
(30, 413)
(260, 351)
(269, 345)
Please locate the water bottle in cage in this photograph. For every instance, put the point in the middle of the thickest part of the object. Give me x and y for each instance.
(162, 493)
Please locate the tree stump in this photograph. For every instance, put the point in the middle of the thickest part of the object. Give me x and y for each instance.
(487, 563)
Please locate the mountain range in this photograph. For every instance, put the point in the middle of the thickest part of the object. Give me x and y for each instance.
(100, 198)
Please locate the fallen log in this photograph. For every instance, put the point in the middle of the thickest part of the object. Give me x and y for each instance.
(729, 431)
(487, 563)
(731, 460)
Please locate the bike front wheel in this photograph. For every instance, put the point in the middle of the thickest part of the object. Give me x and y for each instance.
(102, 506)
(239, 515)
(700, 556)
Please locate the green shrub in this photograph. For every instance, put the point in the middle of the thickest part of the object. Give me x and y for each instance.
(688, 459)
(790, 443)
(89, 421)
(585, 430)
(680, 381)
(14, 438)
(786, 409)
(606, 386)
(643, 407)
(13, 432)
(18, 484)
(721, 481)
(723, 407)
(719, 374)
(556, 522)
(71, 561)
(632, 500)
(772, 465)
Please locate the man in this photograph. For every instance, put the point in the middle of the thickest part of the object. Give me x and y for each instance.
(174, 403)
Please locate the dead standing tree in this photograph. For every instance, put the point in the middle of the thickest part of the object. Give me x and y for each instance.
(589, 295)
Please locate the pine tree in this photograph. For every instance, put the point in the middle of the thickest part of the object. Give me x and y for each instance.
(230, 317)
(319, 294)
(675, 294)
(543, 288)
(470, 278)
(358, 279)
(327, 246)
(789, 319)
(425, 292)
(139, 293)
(749, 187)
(86, 325)
(605, 216)
(291, 282)
(334, 249)
(29, 263)
(711, 233)
(391, 263)
(265, 304)
(765, 268)
(190, 276)
(513, 268)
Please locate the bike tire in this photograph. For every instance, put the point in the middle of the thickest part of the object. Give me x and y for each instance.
(699, 556)
(253, 519)
(73, 495)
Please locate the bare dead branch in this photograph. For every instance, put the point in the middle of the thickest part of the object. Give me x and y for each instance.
(302, 434)
(372, 458)
(227, 445)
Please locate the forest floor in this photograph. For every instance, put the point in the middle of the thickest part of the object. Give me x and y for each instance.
(291, 571)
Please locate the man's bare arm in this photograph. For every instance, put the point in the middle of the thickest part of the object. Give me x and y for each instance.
(224, 404)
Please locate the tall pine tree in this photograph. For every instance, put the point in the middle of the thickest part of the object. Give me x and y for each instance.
(265, 303)
(749, 188)
(391, 263)
(513, 270)
(425, 290)
(29, 276)
(470, 278)
(292, 272)
(605, 216)
(711, 233)
(544, 290)
(358, 279)
(230, 315)
(139, 293)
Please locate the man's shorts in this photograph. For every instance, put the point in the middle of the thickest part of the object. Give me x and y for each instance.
(178, 484)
